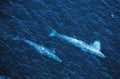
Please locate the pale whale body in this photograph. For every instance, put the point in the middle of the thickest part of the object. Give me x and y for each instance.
(42, 50)
(94, 48)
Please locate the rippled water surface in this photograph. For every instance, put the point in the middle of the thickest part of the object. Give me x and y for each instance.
(86, 20)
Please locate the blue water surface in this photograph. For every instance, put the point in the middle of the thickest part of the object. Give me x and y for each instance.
(86, 20)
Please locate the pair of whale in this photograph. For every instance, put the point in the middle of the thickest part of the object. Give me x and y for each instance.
(93, 49)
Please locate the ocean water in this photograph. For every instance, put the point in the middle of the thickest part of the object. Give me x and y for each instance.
(86, 20)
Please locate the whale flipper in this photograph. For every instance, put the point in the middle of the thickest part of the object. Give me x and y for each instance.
(97, 45)
(53, 51)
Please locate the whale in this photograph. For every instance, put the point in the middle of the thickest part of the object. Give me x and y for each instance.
(94, 48)
(41, 49)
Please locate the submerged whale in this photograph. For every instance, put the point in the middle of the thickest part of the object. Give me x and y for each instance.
(42, 50)
(94, 48)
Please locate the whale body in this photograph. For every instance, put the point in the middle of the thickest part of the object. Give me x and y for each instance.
(42, 50)
(94, 48)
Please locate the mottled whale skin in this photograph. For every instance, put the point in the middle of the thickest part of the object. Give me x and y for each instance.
(42, 50)
(94, 49)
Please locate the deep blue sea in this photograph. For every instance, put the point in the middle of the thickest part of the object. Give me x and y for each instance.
(86, 20)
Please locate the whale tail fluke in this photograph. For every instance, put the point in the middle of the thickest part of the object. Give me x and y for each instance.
(17, 38)
(53, 33)
(97, 45)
